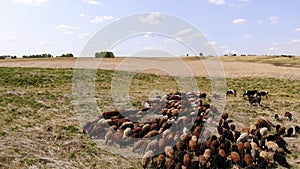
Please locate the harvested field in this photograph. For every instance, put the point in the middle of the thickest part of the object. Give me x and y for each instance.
(234, 67)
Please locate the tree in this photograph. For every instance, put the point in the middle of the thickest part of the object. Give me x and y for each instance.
(68, 55)
(104, 55)
(200, 54)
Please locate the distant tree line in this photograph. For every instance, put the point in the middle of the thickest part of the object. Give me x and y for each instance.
(105, 54)
(68, 55)
(8, 57)
(45, 55)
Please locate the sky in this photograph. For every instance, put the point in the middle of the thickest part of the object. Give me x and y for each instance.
(260, 27)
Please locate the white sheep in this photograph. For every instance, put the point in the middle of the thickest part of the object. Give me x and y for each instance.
(243, 137)
(263, 131)
(271, 145)
(147, 158)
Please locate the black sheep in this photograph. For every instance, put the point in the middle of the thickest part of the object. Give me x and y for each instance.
(280, 158)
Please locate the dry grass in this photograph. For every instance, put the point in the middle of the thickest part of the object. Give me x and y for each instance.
(39, 127)
(275, 60)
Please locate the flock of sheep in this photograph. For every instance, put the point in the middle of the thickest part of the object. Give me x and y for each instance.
(181, 131)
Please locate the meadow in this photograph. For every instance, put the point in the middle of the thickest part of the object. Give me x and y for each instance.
(39, 127)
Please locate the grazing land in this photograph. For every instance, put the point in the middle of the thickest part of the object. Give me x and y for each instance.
(39, 127)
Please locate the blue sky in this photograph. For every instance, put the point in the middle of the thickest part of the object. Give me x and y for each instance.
(231, 26)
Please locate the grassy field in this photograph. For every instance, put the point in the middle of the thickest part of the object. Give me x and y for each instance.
(275, 60)
(39, 127)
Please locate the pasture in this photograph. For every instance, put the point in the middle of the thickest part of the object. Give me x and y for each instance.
(39, 128)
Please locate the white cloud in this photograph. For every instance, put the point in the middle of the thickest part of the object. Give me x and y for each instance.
(198, 35)
(169, 40)
(12, 39)
(184, 32)
(101, 19)
(213, 43)
(46, 44)
(247, 36)
(272, 49)
(297, 30)
(84, 35)
(91, 2)
(235, 5)
(153, 18)
(274, 19)
(66, 29)
(31, 2)
(217, 2)
(260, 22)
(149, 35)
(295, 41)
(84, 15)
(239, 21)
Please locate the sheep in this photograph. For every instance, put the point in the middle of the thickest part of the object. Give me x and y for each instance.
(192, 136)
(263, 123)
(235, 157)
(271, 145)
(160, 161)
(254, 150)
(139, 145)
(169, 152)
(288, 115)
(290, 132)
(248, 160)
(280, 158)
(108, 137)
(127, 124)
(165, 133)
(152, 145)
(147, 158)
(202, 161)
(194, 165)
(243, 137)
(151, 134)
(192, 145)
(281, 131)
(186, 160)
(207, 154)
(108, 115)
(263, 131)
(297, 129)
(263, 160)
(127, 132)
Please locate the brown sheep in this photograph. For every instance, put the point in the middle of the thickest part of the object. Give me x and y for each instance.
(288, 115)
(169, 152)
(186, 160)
(192, 145)
(202, 161)
(240, 148)
(248, 160)
(151, 134)
(222, 153)
(160, 161)
(235, 157)
(263, 123)
(281, 131)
